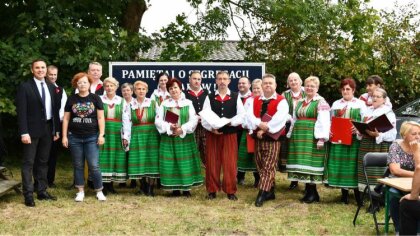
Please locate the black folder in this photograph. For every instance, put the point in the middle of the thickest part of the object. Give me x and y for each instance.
(380, 123)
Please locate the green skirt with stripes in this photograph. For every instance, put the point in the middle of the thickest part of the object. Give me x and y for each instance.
(305, 163)
(373, 173)
(112, 155)
(144, 152)
(342, 165)
(179, 163)
(246, 161)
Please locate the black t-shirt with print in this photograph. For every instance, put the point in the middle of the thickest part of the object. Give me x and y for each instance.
(83, 114)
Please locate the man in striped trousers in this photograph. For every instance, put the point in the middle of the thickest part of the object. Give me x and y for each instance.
(267, 119)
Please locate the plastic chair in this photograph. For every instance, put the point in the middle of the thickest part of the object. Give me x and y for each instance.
(371, 159)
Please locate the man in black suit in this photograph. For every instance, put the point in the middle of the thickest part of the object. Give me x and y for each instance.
(38, 125)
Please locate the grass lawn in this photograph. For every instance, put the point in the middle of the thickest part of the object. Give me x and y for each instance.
(127, 213)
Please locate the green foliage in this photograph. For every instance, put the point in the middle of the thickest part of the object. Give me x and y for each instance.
(329, 40)
(182, 41)
(68, 34)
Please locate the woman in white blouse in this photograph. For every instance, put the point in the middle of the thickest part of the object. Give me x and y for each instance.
(179, 159)
(112, 154)
(375, 141)
(309, 131)
(342, 158)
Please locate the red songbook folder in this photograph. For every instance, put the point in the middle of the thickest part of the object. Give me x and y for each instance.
(171, 117)
(341, 130)
(266, 118)
(250, 144)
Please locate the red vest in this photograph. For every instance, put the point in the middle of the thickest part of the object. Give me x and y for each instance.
(271, 108)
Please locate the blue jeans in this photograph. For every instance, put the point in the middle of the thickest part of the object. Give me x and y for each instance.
(85, 147)
(394, 208)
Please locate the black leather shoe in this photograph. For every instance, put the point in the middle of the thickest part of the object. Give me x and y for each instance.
(306, 193)
(52, 185)
(46, 196)
(186, 194)
(313, 195)
(293, 185)
(345, 196)
(358, 197)
(133, 183)
(111, 188)
(149, 192)
(176, 193)
(29, 201)
(211, 196)
(240, 176)
(270, 195)
(260, 198)
(232, 197)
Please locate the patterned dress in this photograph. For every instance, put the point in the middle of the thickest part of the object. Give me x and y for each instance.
(305, 163)
(342, 159)
(378, 144)
(112, 154)
(144, 144)
(179, 159)
(398, 155)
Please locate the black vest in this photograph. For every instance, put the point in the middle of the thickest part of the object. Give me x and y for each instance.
(197, 101)
(225, 109)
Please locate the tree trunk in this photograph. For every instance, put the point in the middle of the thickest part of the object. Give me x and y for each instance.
(133, 15)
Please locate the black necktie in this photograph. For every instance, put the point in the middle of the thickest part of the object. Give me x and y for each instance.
(43, 98)
(264, 107)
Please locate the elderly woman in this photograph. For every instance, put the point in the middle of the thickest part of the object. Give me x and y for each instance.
(401, 162)
(292, 95)
(83, 132)
(309, 131)
(375, 141)
(246, 160)
(112, 154)
(144, 145)
(342, 160)
(179, 160)
(161, 93)
(373, 82)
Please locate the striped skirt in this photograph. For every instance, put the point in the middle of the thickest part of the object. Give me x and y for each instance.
(144, 152)
(342, 165)
(305, 163)
(112, 158)
(179, 163)
(246, 161)
(373, 173)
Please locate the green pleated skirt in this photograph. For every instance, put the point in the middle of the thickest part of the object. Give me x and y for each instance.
(179, 163)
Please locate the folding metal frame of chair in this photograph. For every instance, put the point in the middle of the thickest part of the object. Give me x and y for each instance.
(371, 159)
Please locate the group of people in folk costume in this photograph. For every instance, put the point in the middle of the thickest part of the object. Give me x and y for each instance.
(124, 138)
(170, 154)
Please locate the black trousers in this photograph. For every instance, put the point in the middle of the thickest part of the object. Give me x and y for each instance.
(36, 155)
(52, 160)
(409, 217)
